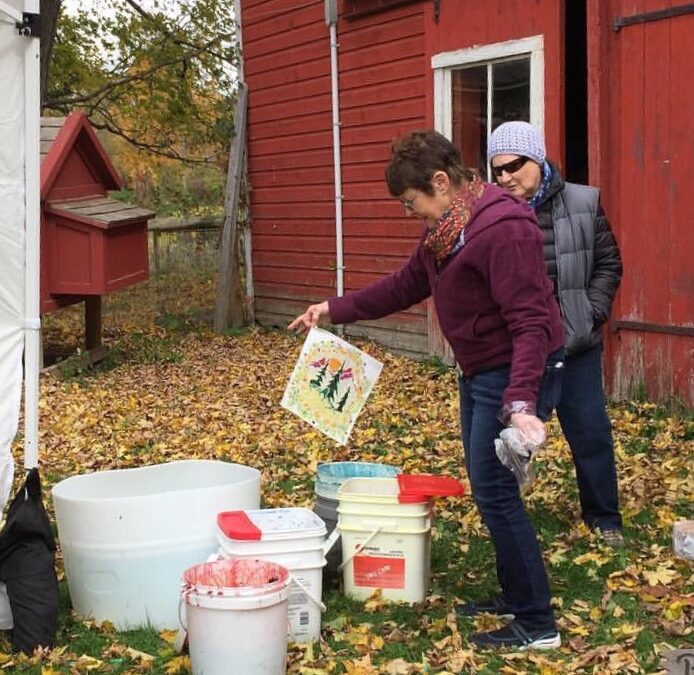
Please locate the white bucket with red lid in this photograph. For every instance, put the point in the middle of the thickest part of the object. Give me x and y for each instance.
(385, 524)
(292, 537)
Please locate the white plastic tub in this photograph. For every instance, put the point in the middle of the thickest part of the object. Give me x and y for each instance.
(292, 537)
(127, 535)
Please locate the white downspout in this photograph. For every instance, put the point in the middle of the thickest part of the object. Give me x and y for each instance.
(247, 242)
(331, 20)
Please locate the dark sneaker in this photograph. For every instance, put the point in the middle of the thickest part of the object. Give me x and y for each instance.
(492, 606)
(514, 636)
(611, 538)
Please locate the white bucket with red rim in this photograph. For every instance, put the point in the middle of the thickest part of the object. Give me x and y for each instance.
(236, 616)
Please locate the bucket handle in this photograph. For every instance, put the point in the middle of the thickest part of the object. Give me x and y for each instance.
(182, 634)
(314, 600)
(331, 541)
(359, 548)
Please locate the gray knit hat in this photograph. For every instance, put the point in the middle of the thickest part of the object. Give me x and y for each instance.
(516, 138)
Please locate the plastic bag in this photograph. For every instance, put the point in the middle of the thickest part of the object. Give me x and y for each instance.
(683, 539)
(515, 451)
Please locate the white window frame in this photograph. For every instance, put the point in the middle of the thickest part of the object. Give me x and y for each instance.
(446, 62)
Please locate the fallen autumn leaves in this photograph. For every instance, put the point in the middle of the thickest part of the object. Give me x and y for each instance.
(186, 393)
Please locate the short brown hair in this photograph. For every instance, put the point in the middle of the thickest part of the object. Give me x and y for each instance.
(417, 156)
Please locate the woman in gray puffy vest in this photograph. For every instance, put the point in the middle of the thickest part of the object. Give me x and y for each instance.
(585, 267)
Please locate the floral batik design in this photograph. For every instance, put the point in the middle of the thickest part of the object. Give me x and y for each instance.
(330, 384)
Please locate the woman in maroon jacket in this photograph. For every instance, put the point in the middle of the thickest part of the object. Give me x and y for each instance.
(480, 258)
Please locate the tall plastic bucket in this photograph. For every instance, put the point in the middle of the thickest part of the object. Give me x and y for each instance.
(236, 617)
(385, 525)
(292, 537)
(329, 477)
(385, 544)
(127, 535)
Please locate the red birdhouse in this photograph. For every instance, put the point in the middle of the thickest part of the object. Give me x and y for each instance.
(90, 244)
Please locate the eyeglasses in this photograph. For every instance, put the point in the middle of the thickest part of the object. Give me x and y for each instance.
(510, 167)
(408, 203)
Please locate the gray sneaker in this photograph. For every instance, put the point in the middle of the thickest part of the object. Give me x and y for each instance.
(611, 538)
(491, 606)
(514, 636)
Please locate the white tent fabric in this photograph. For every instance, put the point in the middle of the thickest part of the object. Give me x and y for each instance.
(11, 241)
(18, 246)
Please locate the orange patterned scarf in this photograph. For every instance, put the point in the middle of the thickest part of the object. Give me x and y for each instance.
(444, 235)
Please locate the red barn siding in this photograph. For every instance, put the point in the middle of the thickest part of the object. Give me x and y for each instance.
(641, 144)
(647, 144)
(378, 104)
(287, 68)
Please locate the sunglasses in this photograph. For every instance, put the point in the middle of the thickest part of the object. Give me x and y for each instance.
(510, 167)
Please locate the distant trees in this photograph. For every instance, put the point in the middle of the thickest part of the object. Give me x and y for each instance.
(160, 77)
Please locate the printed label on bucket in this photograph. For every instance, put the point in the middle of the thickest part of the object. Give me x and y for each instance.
(379, 572)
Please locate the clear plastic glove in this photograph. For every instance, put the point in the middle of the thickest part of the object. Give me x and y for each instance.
(515, 451)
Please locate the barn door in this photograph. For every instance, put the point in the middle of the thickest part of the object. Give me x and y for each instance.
(476, 90)
(651, 158)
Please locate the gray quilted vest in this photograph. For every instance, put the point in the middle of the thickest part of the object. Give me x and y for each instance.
(573, 215)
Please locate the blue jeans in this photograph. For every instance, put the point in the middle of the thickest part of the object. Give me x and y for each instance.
(520, 569)
(586, 426)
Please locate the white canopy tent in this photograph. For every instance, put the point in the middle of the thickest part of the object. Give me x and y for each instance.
(19, 232)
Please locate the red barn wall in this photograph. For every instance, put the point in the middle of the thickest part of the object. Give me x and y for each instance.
(641, 143)
(382, 82)
(642, 147)
(287, 68)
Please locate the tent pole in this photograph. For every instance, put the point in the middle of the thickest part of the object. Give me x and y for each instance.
(32, 334)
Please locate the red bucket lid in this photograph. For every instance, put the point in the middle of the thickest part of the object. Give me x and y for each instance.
(237, 525)
(420, 487)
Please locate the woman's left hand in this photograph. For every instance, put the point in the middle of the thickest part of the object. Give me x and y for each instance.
(532, 427)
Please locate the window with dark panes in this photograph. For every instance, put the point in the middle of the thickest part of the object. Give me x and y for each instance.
(484, 96)
(479, 88)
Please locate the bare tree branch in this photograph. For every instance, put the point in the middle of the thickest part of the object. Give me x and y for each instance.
(184, 43)
(58, 103)
(170, 153)
(50, 11)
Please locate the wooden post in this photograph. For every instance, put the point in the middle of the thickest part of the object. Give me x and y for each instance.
(155, 246)
(92, 321)
(228, 258)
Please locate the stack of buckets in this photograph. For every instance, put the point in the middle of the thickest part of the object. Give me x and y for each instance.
(265, 587)
(385, 525)
(329, 478)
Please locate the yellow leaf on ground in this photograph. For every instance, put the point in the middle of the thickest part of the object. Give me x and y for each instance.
(626, 630)
(661, 575)
(179, 664)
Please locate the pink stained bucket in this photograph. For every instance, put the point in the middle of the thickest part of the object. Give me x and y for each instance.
(236, 612)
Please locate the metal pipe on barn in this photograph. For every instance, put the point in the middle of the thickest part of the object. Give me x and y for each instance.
(331, 20)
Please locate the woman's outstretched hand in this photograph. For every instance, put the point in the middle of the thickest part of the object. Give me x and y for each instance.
(310, 318)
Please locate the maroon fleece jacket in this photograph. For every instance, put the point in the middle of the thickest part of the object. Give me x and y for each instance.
(493, 298)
